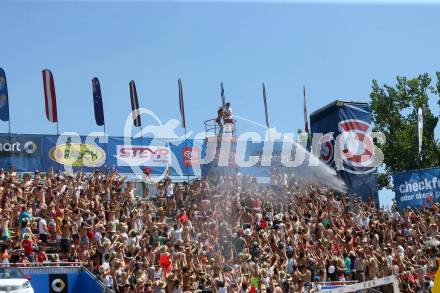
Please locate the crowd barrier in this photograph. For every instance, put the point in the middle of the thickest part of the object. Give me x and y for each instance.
(365, 286)
(60, 278)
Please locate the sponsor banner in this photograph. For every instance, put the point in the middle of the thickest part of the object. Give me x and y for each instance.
(24, 152)
(20, 146)
(30, 152)
(72, 151)
(143, 155)
(417, 188)
(190, 155)
(165, 152)
(351, 122)
(77, 155)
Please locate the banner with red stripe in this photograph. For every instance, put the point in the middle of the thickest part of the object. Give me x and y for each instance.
(181, 104)
(49, 96)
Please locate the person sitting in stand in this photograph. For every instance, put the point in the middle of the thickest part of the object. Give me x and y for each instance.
(227, 112)
(227, 118)
(218, 120)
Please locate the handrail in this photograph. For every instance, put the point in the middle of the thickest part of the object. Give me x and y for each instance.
(392, 279)
(41, 265)
(96, 278)
(337, 282)
(211, 125)
(60, 265)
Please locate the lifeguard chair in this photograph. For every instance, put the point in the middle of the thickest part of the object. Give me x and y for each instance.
(214, 136)
(228, 129)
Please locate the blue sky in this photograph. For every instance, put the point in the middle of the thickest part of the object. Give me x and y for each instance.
(334, 48)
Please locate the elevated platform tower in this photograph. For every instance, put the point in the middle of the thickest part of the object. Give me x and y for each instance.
(220, 144)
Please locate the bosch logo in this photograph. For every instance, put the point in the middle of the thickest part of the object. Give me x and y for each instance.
(356, 145)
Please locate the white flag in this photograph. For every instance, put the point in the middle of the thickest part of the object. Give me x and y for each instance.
(420, 128)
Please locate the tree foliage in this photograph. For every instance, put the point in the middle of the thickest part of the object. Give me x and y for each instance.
(395, 114)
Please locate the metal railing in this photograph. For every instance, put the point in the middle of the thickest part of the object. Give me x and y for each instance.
(228, 129)
(103, 287)
(367, 285)
(55, 268)
(21, 265)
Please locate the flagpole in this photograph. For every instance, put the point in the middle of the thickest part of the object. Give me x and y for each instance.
(9, 116)
(140, 127)
(182, 116)
(9, 128)
(265, 111)
(222, 94)
(9, 124)
(105, 133)
(186, 146)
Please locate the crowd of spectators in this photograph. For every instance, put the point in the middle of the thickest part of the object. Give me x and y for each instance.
(227, 235)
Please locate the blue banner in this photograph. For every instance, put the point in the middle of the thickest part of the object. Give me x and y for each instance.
(24, 152)
(149, 155)
(350, 124)
(27, 153)
(417, 188)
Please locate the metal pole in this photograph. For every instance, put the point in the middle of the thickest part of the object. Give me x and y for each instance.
(186, 145)
(9, 134)
(106, 163)
(140, 127)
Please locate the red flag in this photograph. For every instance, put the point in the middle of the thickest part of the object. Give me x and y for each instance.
(306, 120)
(181, 104)
(49, 96)
(135, 104)
(165, 263)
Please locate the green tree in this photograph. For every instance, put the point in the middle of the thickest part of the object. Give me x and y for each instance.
(395, 114)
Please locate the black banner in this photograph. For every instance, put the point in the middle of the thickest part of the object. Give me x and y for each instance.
(58, 283)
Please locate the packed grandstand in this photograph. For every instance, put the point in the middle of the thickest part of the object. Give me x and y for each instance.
(227, 235)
